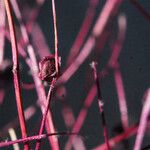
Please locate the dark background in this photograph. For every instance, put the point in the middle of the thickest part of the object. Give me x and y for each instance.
(134, 62)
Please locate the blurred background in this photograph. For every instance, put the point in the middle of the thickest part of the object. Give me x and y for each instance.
(69, 98)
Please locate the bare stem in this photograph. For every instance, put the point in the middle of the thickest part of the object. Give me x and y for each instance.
(140, 9)
(83, 32)
(56, 37)
(16, 73)
(143, 122)
(113, 141)
(2, 30)
(42, 97)
(33, 138)
(100, 104)
(38, 84)
(45, 114)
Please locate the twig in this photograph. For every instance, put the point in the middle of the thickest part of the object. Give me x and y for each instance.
(45, 114)
(13, 137)
(141, 9)
(83, 32)
(42, 97)
(33, 138)
(115, 140)
(56, 38)
(143, 122)
(101, 105)
(39, 87)
(107, 12)
(113, 64)
(2, 26)
(16, 73)
(28, 113)
(81, 116)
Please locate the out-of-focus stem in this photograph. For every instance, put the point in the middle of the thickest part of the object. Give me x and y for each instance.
(2, 26)
(143, 122)
(108, 11)
(141, 9)
(121, 98)
(115, 140)
(100, 104)
(13, 137)
(83, 32)
(33, 138)
(16, 73)
(113, 64)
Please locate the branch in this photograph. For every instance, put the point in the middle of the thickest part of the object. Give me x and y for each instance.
(16, 73)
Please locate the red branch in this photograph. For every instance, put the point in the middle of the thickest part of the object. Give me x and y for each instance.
(16, 73)
(83, 32)
(100, 104)
(45, 114)
(113, 141)
(56, 37)
(32, 138)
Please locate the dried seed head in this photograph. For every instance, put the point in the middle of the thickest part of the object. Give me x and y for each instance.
(47, 68)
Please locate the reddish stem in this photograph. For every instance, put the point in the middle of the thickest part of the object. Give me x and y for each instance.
(2, 28)
(115, 140)
(56, 37)
(113, 64)
(143, 122)
(141, 9)
(107, 12)
(45, 114)
(16, 73)
(33, 138)
(100, 104)
(83, 32)
(121, 97)
(42, 97)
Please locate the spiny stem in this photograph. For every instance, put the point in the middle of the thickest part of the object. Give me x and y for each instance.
(100, 104)
(45, 114)
(16, 72)
(56, 37)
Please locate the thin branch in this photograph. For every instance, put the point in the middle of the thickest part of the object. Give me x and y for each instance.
(42, 97)
(107, 12)
(13, 137)
(115, 140)
(16, 73)
(2, 26)
(56, 37)
(141, 9)
(81, 116)
(113, 63)
(45, 114)
(143, 122)
(101, 105)
(83, 32)
(38, 84)
(33, 138)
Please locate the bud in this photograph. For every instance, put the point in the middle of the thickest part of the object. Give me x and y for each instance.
(47, 68)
